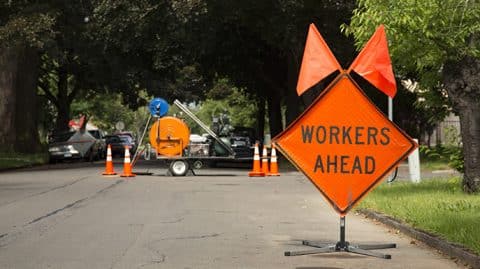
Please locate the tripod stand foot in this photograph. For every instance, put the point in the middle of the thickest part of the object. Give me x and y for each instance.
(376, 246)
(316, 244)
(311, 251)
(342, 247)
(368, 252)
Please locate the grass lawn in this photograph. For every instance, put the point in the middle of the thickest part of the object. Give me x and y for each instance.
(15, 160)
(437, 206)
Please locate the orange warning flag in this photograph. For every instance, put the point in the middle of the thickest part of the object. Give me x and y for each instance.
(318, 61)
(373, 63)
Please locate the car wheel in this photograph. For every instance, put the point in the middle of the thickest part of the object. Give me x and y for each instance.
(100, 155)
(179, 168)
(89, 156)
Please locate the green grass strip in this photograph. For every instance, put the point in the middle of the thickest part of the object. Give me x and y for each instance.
(15, 160)
(437, 206)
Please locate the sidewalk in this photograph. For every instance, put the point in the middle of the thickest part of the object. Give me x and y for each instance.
(403, 173)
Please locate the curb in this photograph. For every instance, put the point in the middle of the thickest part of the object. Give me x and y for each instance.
(453, 250)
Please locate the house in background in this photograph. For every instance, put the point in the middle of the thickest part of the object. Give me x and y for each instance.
(447, 132)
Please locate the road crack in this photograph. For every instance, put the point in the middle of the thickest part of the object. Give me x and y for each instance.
(138, 229)
(47, 191)
(172, 221)
(75, 203)
(192, 237)
(7, 238)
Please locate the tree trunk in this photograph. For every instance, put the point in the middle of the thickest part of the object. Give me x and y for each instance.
(470, 128)
(8, 73)
(261, 118)
(63, 103)
(26, 119)
(292, 101)
(274, 115)
(18, 100)
(463, 85)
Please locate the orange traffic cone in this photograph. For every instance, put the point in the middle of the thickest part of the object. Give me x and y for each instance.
(256, 164)
(273, 163)
(109, 163)
(127, 166)
(265, 160)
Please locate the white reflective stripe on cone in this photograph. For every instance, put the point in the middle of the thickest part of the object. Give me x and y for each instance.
(273, 156)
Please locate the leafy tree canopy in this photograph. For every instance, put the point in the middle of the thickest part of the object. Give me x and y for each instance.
(25, 22)
(223, 99)
(423, 35)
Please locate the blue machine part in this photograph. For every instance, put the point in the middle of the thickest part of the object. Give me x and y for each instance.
(158, 107)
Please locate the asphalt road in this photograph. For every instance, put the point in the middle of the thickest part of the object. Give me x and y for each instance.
(75, 218)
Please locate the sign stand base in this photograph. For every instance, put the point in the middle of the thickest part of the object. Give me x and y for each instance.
(342, 246)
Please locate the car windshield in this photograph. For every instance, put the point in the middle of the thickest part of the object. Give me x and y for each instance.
(125, 139)
(95, 133)
(112, 139)
(61, 137)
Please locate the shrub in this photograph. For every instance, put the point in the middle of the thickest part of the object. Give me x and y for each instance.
(453, 155)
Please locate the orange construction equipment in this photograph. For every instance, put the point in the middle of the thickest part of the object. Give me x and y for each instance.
(273, 163)
(127, 166)
(109, 163)
(171, 138)
(256, 171)
(265, 169)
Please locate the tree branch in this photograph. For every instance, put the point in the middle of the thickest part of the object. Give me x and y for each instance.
(48, 94)
(73, 93)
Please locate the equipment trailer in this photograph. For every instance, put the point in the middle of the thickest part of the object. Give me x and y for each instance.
(170, 137)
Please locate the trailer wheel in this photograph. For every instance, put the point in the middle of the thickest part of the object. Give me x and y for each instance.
(179, 168)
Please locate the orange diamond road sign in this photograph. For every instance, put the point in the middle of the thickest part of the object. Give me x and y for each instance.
(344, 144)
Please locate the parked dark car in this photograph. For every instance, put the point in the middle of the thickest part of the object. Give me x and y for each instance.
(242, 141)
(119, 142)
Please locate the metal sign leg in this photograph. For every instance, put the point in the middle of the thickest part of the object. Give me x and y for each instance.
(342, 246)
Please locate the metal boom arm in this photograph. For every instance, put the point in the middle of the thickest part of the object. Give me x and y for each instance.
(204, 127)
